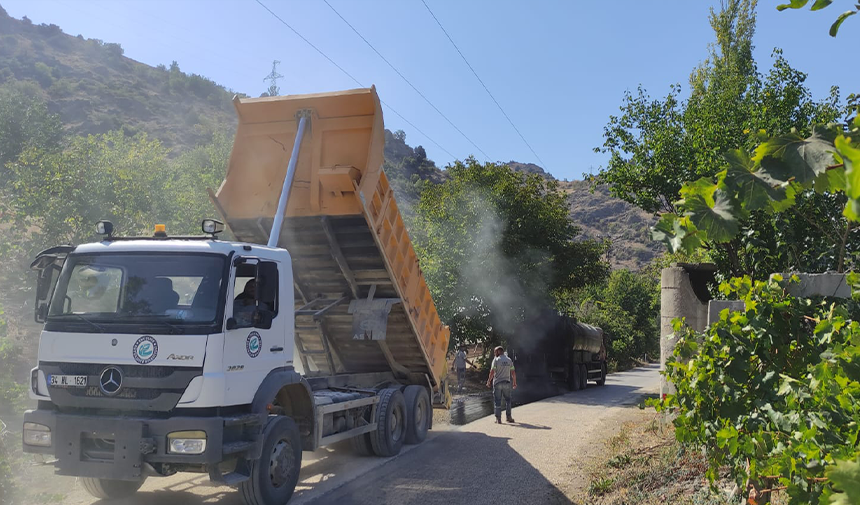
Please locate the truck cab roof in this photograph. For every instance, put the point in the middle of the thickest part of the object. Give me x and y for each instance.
(176, 245)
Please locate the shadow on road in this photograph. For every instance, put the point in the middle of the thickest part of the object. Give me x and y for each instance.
(196, 489)
(529, 426)
(460, 467)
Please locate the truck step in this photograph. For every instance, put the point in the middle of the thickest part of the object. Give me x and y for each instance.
(234, 478)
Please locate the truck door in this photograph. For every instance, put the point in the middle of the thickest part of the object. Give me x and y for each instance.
(255, 337)
(48, 265)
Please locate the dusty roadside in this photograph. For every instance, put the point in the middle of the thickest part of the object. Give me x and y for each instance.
(643, 464)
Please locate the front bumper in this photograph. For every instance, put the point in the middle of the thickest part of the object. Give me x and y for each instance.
(120, 447)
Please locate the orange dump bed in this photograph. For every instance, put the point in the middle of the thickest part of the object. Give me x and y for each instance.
(352, 257)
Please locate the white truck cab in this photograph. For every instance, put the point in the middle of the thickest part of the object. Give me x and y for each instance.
(167, 354)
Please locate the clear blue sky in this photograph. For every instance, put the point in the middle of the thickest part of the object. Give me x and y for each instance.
(559, 68)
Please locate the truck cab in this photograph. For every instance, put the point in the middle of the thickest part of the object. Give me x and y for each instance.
(159, 344)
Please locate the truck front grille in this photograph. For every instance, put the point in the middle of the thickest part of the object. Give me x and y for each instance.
(144, 388)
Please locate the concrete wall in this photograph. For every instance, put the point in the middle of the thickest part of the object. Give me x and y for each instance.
(830, 284)
(717, 306)
(677, 299)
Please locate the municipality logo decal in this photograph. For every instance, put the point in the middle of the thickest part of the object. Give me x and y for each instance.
(145, 350)
(254, 344)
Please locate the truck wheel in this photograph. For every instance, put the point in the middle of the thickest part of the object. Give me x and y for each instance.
(584, 376)
(575, 377)
(274, 476)
(602, 380)
(391, 417)
(108, 489)
(361, 445)
(419, 415)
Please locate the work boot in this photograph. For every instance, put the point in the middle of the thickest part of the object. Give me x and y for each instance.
(498, 420)
(511, 420)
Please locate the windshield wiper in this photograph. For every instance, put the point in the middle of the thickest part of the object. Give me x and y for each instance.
(176, 329)
(82, 318)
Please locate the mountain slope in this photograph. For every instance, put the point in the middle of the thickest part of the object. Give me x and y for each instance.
(95, 88)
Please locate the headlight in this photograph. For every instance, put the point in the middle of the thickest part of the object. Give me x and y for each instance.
(37, 434)
(186, 442)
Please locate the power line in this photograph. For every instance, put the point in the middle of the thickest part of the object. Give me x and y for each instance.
(308, 42)
(482, 83)
(405, 79)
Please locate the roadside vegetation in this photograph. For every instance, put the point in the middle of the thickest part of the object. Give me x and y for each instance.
(762, 179)
(644, 464)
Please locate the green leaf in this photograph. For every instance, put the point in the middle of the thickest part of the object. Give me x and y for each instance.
(725, 435)
(794, 158)
(754, 191)
(795, 4)
(718, 221)
(820, 4)
(851, 158)
(846, 478)
(677, 233)
(834, 29)
(850, 154)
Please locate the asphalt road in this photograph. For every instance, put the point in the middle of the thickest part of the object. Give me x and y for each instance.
(538, 459)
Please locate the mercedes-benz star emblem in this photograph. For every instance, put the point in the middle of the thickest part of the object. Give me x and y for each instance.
(110, 381)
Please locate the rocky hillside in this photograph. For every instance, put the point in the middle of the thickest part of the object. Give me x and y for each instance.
(95, 88)
(602, 216)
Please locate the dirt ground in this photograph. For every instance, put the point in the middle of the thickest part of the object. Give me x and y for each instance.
(644, 464)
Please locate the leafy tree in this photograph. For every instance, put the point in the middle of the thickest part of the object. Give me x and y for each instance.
(109, 176)
(25, 123)
(185, 202)
(495, 244)
(657, 145)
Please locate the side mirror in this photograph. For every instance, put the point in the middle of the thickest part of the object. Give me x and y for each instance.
(41, 312)
(232, 324)
(263, 319)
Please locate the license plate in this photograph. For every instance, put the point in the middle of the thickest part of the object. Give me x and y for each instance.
(76, 381)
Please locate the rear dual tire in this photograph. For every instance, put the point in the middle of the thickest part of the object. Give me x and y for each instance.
(391, 423)
(419, 414)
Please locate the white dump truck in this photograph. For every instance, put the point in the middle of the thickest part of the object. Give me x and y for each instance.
(165, 354)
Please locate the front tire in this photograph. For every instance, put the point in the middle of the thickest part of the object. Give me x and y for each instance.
(419, 414)
(391, 418)
(108, 489)
(275, 475)
(584, 379)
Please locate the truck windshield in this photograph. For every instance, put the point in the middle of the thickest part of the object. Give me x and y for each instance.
(172, 289)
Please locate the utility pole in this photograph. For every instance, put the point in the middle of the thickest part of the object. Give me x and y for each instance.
(273, 77)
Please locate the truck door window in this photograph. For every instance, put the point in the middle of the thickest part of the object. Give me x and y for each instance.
(256, 288)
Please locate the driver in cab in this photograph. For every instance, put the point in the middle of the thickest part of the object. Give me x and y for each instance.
(245, 303)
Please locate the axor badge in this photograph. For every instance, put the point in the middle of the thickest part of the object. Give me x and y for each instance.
(145, 350)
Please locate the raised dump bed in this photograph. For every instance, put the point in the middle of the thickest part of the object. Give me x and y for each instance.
(362, 304)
